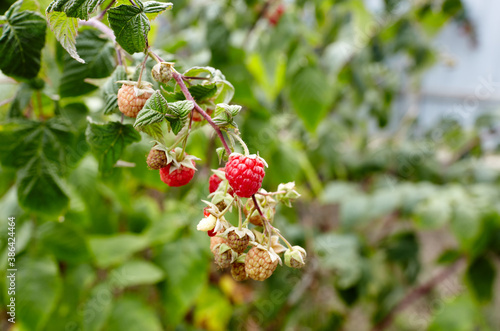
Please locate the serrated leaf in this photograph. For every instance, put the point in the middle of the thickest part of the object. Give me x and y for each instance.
(108, 141)
(153, 111)
(154, 8)
(153, 130)
(310, 96)
(110, 89)
(75, 8)
(98, 54)
(224, 115)
(179, 111)
(40, 188)
(199, 92)
(65, 29)
(131, 27)
(225, 91)
(21, 43)
(21, 101)
(65, 241)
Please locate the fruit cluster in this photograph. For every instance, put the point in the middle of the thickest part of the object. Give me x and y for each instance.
(249, 252)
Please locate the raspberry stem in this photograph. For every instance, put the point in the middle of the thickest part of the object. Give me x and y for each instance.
(242, 143)
(178, 78)
(268, 225)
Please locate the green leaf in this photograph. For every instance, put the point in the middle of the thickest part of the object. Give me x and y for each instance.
(224, 115)
(186, 269)
(65, 241)
(132, 314)
(40, 149)
(65, 29)
(108, 141)
(40, 289)
(458, 314)
(112, 250)
(40, 189)
(310, 95)
(98, 307)
(98, 54)
(481, 277)
(21, 101)
(131, 27)
(75, 8)
(199, 92)
(433, 213)
(154, 8)
(180, 111)
(137, 272)
(340, 253)
(153, 111)
(21, 43)
(211, 303)
(110, 89)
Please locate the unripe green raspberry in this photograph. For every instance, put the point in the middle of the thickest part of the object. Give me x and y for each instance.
(163, 72)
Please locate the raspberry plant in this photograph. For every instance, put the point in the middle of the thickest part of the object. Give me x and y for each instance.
(93, 93)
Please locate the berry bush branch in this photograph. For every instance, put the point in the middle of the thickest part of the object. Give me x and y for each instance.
(417, 293)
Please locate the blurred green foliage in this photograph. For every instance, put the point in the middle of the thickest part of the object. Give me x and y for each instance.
(384, 209)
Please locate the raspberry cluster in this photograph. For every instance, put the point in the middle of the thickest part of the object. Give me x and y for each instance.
(251, 249)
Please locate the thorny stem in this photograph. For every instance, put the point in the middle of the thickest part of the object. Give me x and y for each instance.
(239, 214)
(268, 225)
(93, 22)
(101, 16)
(143, 65)
(178, 78)
(133, 3)
(242, 143)
(199, 78)
(39, 101)
(180, 81)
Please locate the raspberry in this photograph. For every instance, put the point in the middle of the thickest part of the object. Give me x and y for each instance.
(214, 241)
(245, 174)
(237, 243)
(163, 72)
(129, 103)
(214, 181)
(205, 212)
(297, 264)
(238, 271)
(211, 233)
(255, 219)
(178, 177)
(223, 255)
(156, 159)
(258, 264)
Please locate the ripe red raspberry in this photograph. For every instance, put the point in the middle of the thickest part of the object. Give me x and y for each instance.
(129, 103)
(214, 181)
(237, 243)
(178, 177)
(245, 174)
(238, 271)
(205, 212)
(156, 159)
(258, 264)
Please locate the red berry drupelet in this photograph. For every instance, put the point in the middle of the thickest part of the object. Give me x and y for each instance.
(245, 174)
(214, 182)
(178, 177)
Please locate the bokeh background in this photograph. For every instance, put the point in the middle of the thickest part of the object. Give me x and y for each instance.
(384, 113)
